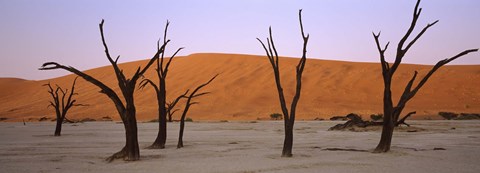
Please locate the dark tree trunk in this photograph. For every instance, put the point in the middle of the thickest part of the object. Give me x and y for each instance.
(131, 150)
(131, 145)
(289, 119)
(161, 139)
(58, 127)
(388, 125)
(288, 142)
(162, 135)
(386, 138)
(182, 121)
(170, 117)
(180, 135)
(391, 112)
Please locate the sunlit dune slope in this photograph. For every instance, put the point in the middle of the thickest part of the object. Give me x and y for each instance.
(245, 89)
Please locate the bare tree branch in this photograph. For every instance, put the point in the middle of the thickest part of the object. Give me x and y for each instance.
(418, 36)
(165, 71)
(300, 67)
(402, 121)
(144, 82)
(201, 94)
(120, 77)
(104, 89)
(400, 51)
(384, 63)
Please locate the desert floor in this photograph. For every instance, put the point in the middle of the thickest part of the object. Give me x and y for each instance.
(240, 147)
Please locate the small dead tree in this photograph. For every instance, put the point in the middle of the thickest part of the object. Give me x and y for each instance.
(392, 113)
(126, 106)
(289, 118)
(171, 106)
(187, 107)
(161, 92)
(60, 104)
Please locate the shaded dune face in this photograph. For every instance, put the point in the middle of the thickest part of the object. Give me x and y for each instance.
(245, 89)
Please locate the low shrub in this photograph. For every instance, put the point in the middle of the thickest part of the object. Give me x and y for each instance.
(448, 115)
(376, 117)
(276, 116)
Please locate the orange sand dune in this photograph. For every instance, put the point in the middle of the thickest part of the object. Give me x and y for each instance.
(245, 89)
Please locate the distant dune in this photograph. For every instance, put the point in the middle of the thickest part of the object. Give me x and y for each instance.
(245, 89)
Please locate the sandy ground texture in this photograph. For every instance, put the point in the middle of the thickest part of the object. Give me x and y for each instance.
(240, 147)
(245, 89)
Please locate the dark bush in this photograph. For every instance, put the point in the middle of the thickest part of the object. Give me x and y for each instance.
(448, 115)
(339, 118)
(468, 116)
(376, 117)
(276, 116)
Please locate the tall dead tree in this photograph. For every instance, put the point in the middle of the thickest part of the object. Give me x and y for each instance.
(126, 106)
(161, 92)
(60, 104)
(187, 107)
(392, 113)
(289, 118)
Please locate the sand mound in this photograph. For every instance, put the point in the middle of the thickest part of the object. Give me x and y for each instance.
(245, 89)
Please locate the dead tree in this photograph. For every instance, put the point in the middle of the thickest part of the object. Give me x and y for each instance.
(125, 106)
(392, 113)
(171, 106)
(355, 120)
(187, 107)
(289, 118)
(161, 92)
(60, 104)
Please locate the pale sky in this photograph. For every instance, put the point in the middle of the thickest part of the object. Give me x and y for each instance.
(36, 31)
